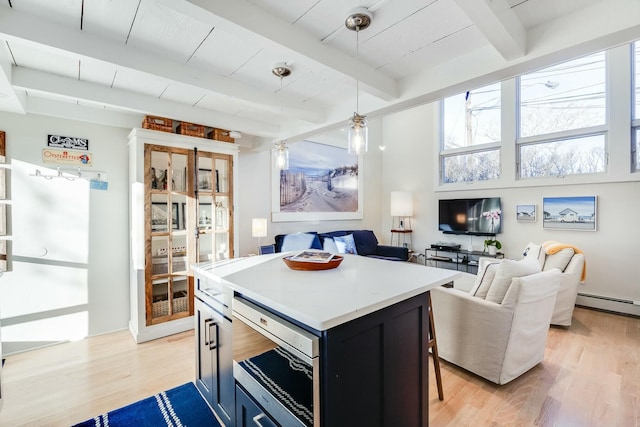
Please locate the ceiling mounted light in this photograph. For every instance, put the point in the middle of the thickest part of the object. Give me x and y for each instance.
(281, 152)
(235, 134)
(358, 142)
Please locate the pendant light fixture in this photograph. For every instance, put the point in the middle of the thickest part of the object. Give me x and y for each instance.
(358, 19)
(281, 152)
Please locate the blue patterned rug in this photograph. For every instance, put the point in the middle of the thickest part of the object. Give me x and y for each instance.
(182, 406)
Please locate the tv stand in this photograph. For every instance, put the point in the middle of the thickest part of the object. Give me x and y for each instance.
(454, 258)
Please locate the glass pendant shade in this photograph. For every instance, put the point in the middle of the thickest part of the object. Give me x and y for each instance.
(358, 142)
(281, 156)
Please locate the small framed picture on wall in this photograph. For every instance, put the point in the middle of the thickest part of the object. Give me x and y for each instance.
(526, 213)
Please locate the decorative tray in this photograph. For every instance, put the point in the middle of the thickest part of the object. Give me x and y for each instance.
(313, 266)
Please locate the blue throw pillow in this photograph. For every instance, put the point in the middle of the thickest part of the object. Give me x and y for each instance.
(330, 245)
(346, 244)
(298, 241)
(366, 242)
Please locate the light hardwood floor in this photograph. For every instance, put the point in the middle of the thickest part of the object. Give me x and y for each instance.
(590, 377)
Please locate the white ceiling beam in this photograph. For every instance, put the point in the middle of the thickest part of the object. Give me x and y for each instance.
(29, 29)
(612, 23)
(9, 99)
(82, 113)
(248, 21)
(499, 24)
(37, 81)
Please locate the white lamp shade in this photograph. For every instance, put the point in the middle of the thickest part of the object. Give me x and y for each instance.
(259, 227)
(401, 203)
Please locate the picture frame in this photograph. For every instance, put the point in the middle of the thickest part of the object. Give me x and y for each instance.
(323, 182)
(178, 180)
(204, 179)
(205, 216)
(526, 213)
(159, 216)
(577, 213)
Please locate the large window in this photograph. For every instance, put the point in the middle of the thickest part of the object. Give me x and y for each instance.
(563, 119)
(471, 135)
(561, 123)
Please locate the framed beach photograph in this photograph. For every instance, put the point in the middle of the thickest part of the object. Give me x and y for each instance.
(526, 213)
(569, 213)
(323, 182)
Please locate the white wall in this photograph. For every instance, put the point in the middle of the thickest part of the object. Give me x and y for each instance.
(410, 163)
(254, 198)
(70, 243)
(46, 300)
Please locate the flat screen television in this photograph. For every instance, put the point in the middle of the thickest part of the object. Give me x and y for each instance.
(480, 217)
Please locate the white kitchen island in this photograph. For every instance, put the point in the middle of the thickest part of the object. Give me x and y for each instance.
(370, 318)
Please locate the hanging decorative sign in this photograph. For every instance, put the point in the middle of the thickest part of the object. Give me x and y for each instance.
(71, 142)
(67, 157)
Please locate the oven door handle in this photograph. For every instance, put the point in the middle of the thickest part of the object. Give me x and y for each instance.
(258, 420)
(213, 338)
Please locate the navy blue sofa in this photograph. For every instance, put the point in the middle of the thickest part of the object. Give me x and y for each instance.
(365, 241)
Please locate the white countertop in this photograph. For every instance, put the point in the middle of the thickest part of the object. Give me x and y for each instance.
(324, 299)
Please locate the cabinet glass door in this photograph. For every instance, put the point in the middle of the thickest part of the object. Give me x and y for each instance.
(214, 207)
(167, 284)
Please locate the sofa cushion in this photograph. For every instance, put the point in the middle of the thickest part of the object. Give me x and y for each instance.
(366, 242)
(558, 260)
(483, 280)
(534, 251)
(346, 244)
(506, 271)
(329, 245)
(299, 241)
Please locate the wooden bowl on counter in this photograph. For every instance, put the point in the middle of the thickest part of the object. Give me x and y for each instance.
(313, 266)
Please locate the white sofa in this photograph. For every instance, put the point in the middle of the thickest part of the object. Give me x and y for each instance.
(570, 262)
(498, 341)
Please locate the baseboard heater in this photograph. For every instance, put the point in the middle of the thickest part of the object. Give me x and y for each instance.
(623, 301)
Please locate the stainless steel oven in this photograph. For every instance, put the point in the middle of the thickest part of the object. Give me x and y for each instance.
(277, 363)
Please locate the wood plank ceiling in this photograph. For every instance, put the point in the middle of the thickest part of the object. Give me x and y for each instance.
(210, 61)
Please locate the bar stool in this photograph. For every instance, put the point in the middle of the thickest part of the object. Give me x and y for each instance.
(433, 345)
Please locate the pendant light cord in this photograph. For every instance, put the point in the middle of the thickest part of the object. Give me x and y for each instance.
(281, 119)
(357, 70)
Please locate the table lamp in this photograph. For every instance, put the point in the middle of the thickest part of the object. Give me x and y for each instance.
(402, 208)
(259, 229)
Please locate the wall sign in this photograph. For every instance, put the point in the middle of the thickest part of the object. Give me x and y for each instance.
(67, 157)
(71, 142)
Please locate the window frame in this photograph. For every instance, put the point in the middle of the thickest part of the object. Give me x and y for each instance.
(565, 135)
(471, 149)
(620, 155)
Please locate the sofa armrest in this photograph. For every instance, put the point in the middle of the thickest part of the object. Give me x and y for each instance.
(566, 299)
(393, 252)
(471, 332)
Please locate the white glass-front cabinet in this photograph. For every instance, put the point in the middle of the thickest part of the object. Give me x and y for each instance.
(181, 214)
